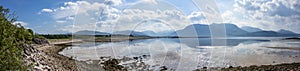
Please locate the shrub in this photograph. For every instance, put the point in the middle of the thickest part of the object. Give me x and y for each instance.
(11, 37)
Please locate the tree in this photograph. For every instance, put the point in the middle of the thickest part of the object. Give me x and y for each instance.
(11, 38)
(30, 31)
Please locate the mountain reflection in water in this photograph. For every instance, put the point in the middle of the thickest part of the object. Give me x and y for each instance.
(192, 53)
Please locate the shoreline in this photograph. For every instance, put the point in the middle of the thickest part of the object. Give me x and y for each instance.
(43, 57)
(60, 62)
(277, 67)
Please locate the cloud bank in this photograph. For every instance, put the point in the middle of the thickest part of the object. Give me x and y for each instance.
(118, 15)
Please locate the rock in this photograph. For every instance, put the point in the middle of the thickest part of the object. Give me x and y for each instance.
(136, 58)
(163, 68)
(112, 65)
(35, 57)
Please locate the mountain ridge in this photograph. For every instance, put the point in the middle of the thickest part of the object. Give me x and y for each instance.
(202, 30)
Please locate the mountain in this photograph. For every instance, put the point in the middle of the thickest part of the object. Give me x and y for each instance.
(202, 30)
(231, 29)
(194, 30)
(259, 32)
(161, 33)
(144, 33)
(282, 31)
(251, 29)
(279, 33)
(264, 33)
(149, 33)
(129, 32)
(87, 32)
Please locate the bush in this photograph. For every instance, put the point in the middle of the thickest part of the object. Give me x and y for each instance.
(11, 37)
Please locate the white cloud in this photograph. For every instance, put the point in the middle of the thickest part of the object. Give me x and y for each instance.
(114, 2)
(74, 8)
(267, 14)
(197, 17)
(21, 23)
(227, 16)
(85, 15)
(107, 18)
(78, 27)
(132, 18)
(148, 14)
(150, 1)
(47, 10)
(61, 21)
(78, 7)
(70, 18)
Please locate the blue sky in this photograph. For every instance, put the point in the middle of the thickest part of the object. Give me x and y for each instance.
(64, 16)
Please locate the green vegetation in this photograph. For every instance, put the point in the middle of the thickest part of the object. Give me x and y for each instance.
(69, 36)
(56, 36)
(12, 37)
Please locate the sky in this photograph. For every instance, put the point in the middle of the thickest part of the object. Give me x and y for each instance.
(65, 16)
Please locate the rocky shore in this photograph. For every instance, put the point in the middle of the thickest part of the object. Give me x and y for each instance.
(136, 63)
(44, 57)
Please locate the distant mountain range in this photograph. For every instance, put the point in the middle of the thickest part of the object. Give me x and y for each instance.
(143, 33)
(251, 29)
(87, 32)
(202, 30)
(129, 33)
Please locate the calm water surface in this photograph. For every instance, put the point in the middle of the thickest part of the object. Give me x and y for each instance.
(192, 53)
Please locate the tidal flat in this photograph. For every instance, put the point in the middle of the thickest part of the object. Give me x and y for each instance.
(182, 54)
